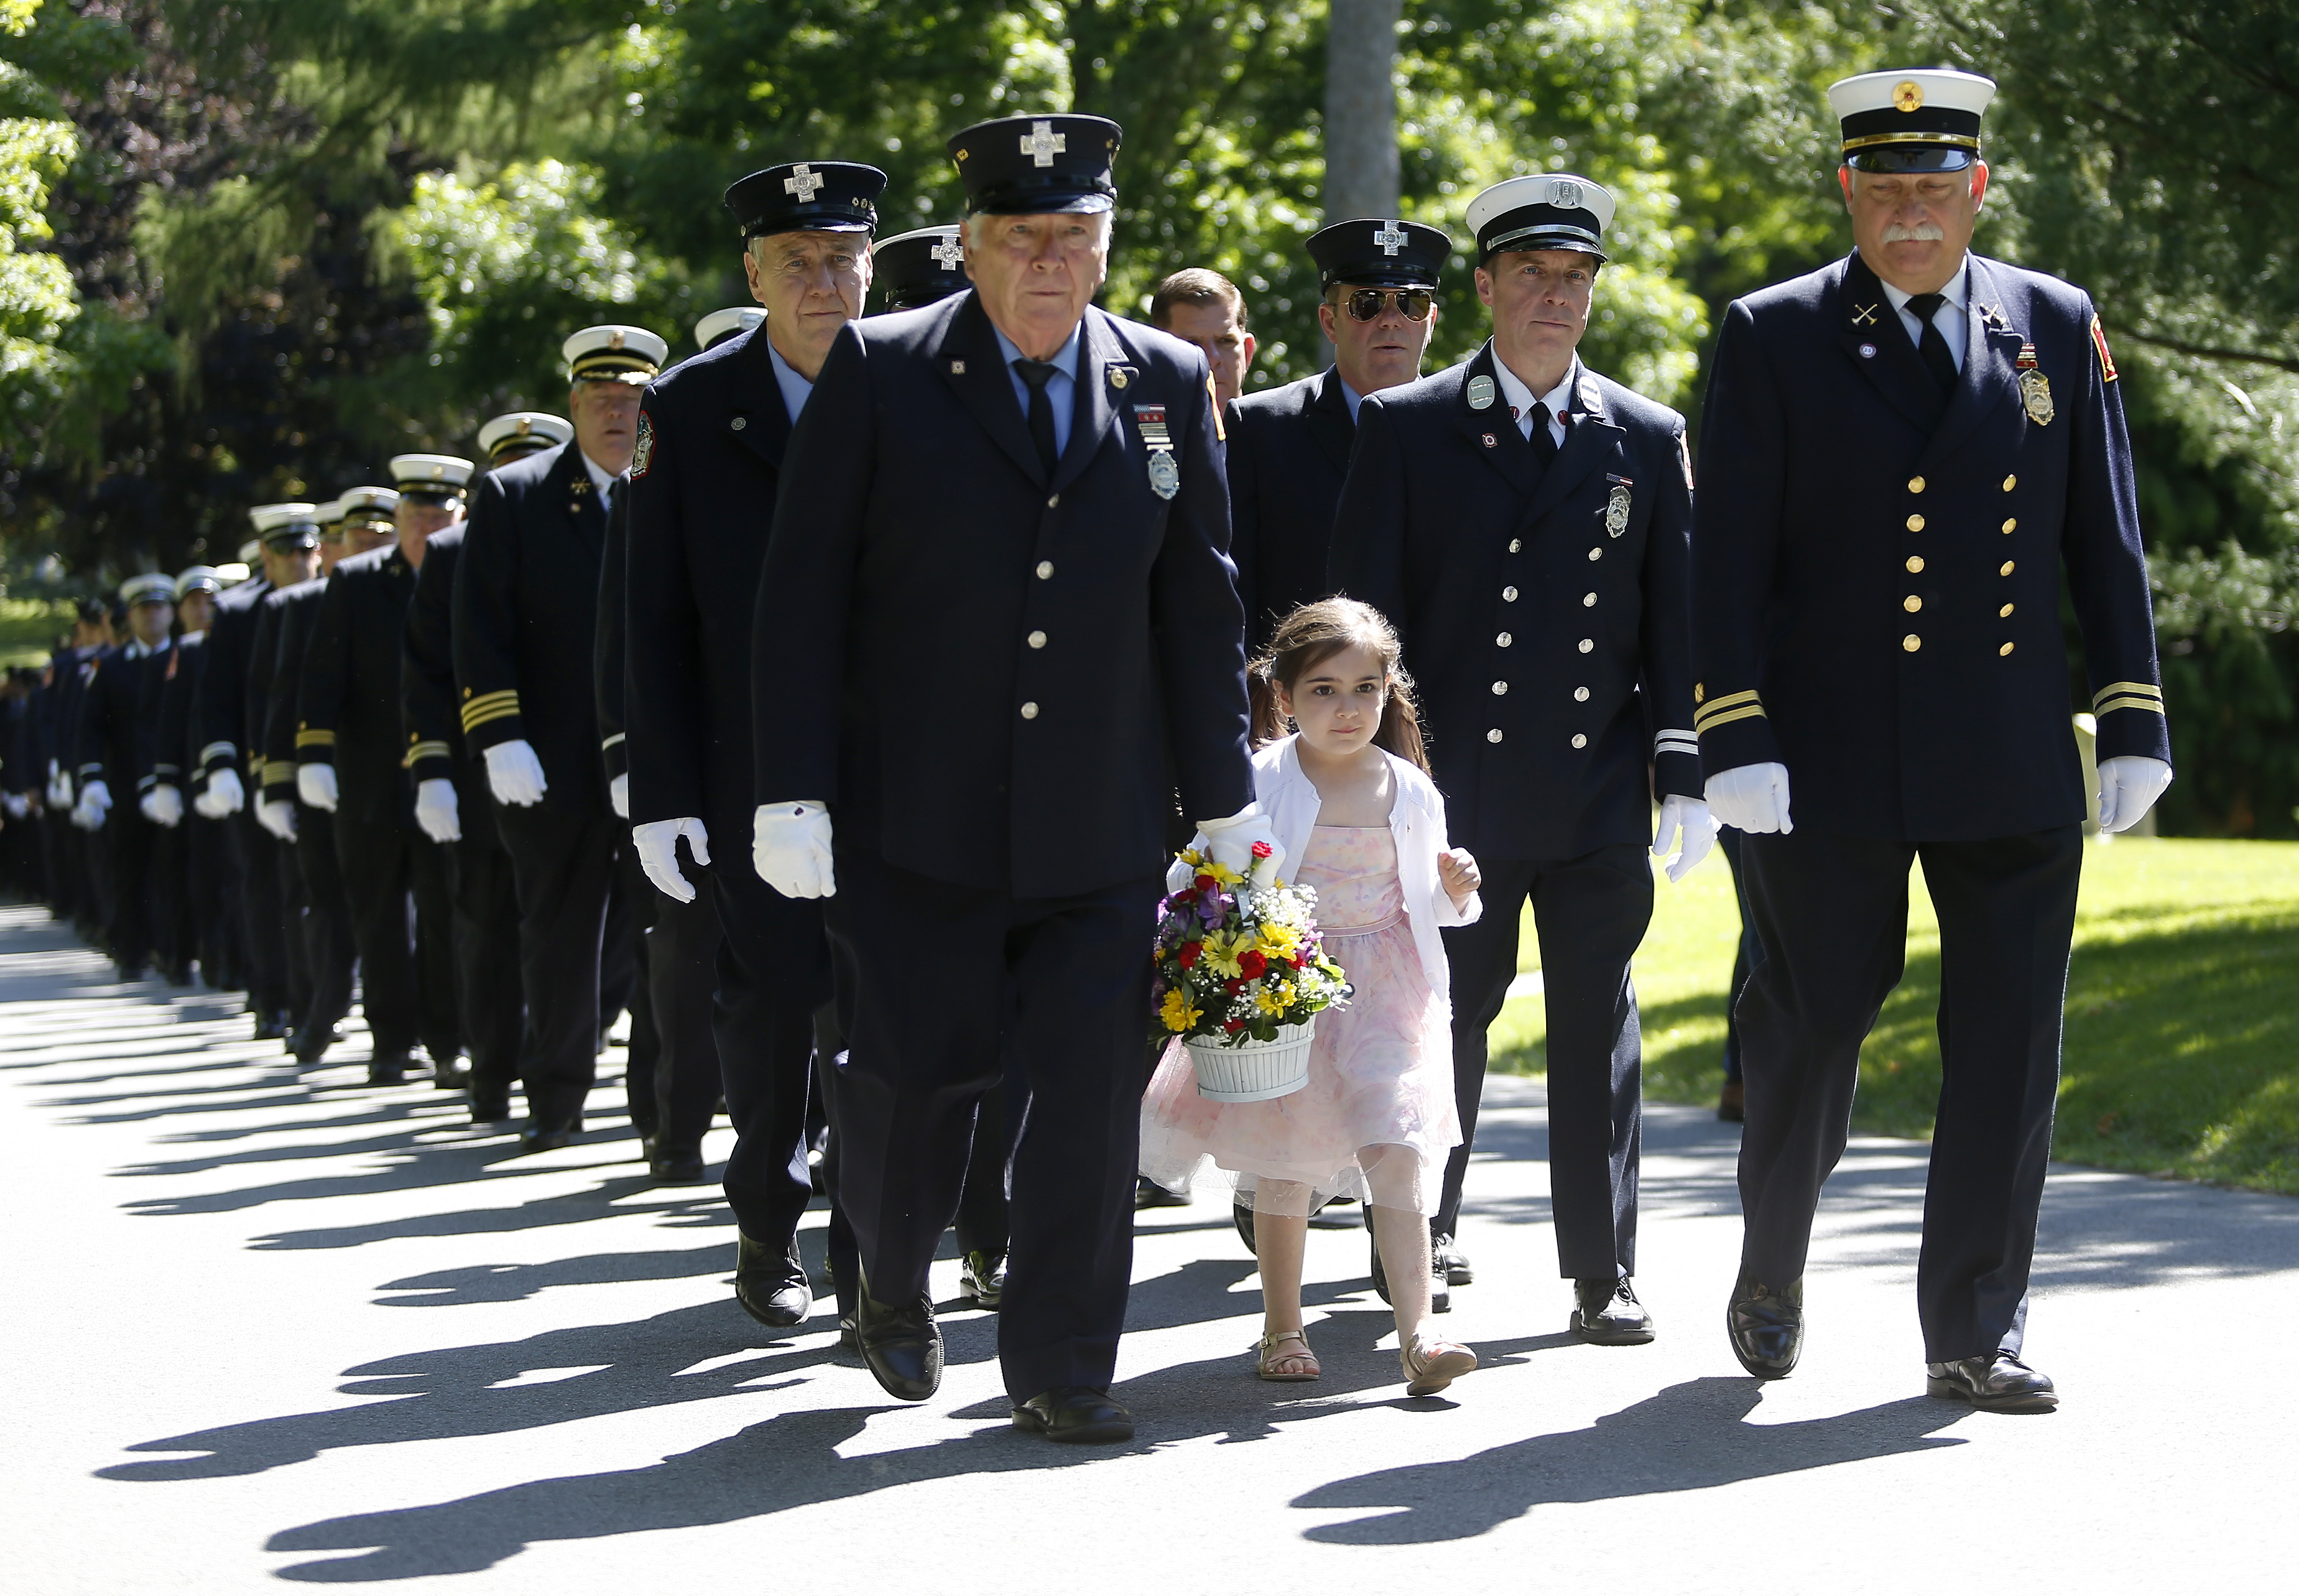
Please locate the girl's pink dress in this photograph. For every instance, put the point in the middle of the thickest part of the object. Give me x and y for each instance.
(1377, 1117)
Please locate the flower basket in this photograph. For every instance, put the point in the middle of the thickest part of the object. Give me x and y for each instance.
(1253, 1071)
(1242, 975)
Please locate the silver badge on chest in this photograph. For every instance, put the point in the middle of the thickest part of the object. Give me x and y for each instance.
(1616, 509)
(1481, 393)
(1164, 472)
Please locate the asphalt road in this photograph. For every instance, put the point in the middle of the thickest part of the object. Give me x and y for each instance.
(267, 1327)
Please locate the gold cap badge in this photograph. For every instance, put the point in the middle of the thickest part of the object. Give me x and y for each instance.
(1908, 97)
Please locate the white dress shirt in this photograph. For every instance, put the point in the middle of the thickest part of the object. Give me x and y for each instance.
(601, 480)
(1949, 318)
(1521, 398)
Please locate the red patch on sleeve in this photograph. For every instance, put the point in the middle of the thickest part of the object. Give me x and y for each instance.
(2099, 342)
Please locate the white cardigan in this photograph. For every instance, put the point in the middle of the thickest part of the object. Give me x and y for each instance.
(1416, 822)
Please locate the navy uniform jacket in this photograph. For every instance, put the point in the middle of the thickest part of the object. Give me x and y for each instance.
(611, 652)
(1549, 645)
(983, 672)
(281, 638)
(526, 618)
(119, 723)
(1288, 450)
(717, 428)
(434, 731)
(75, 670)
(347, 708)
(175, 761)
(220, 729)
(1877, 567)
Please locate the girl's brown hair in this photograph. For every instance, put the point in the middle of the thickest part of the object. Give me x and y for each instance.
(1311, 635)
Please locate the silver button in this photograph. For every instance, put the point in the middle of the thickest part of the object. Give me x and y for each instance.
(1045, 569)
(1053, 499)
(738, 423)
(1030, 711)
(1503, 640)
(1579, 695)
(1494, 735)
(1587, 601)
(1499, 687)
(1586, 643)
(1037, 640)
(1580, 740)
(1515, 544)
(1509, 594)
(1596, 553)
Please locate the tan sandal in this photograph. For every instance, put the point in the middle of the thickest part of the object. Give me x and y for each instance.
(1432, 1365)
(1265, 1362)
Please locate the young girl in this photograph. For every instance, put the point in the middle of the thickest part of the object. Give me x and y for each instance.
(1351, 802)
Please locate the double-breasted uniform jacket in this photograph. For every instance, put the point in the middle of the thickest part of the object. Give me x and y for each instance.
(432, 730)
(287, 617)
(173, 761)
(347, 708)
(717, 429)
(1542, 611)
(526, 618)
(75, 669)
(1289, 451)
(983, 670)
(1877, 567)
(120, 721)
(220, 727)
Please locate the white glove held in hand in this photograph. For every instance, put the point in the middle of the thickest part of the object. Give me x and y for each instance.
(94, 804)
(789, 848)
(514, 775)
(276, 816)
(658, 845)
(315, 784)
(60, 792)
(2129, 786)
(164, 806)
(1231, 842)
(436, 811)
(224, 796)
(1751, 798)
(618, 794)
(1690, 817)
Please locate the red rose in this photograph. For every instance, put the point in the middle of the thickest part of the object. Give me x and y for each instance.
(1295, 961)
(1233, 1025)
(1232, 987)
(1189, 953)
(1262, 850)
(1207, 883)
(1251, 962)
(1187, 894)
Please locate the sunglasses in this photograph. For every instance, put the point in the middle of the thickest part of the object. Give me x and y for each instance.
(1367, 304)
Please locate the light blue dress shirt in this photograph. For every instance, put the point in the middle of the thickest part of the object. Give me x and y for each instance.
(1349, 395)
(795, 388)
(1061, 388)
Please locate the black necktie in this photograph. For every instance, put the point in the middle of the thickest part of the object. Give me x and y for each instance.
(1937, 359)
(1036, 374)
(1543, 442)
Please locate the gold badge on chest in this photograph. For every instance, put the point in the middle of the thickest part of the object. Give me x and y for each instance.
(2035, 388)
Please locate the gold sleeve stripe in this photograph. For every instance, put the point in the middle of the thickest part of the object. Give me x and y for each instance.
(2127, 689)
(218, 750)
(278, 771)
(424, 750)
(489, 706)
(500, 695)
(1734, 707)
(315, 740)
(471, 722)
(1746, 712)
(2150, 705)
(1730, 698)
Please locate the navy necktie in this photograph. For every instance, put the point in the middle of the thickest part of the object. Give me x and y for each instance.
(1036, 375)
(1543, 442)
(1937, 359)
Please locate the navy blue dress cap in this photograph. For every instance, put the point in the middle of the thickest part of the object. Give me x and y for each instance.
(808, 197)
(919, 267)
(1375, 253)
(1038, 165)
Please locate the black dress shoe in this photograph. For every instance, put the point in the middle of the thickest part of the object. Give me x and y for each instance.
(309, 1046)
(548, 1135)
(1731, 1105)
(848, 1341)
(1078, 1414)
(1440, 1295)
(388, 1068)
(770, 1284)
(676, 1166)
(1454, 1262)
(270, 1028)
(1997, 1382)
(1606, 1312)
(490, 1106)
(1242, 1218)
(982, 1279)
(901, 1346)
(179, 975)
(1765, 1324)
(1149, 1193)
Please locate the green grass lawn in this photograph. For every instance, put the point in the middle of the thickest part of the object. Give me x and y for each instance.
(2182, 1050)
(27, 626)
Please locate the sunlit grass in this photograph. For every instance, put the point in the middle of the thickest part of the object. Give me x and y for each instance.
(2182, 1046)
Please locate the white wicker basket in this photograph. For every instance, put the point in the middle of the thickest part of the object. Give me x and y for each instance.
(1256, 1070)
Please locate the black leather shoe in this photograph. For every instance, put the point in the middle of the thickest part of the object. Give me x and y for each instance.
(848, 1341)
(388, 1068)
(1765, 1324)
(548, 1135)
(676, 1166)
(1731, 1105)
(1606, 1312)
(1997, 1381)
(270, 1028)
(1452, 1261)
(771, 1284)
(1078, 1414)
(1242, 1218)
(901, 1346)
(490, 1106)
(982, 1279)
(1441, 1295)
(1149, 1193)
(309, 1046)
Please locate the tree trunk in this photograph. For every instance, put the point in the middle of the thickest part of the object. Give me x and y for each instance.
(1361, 109)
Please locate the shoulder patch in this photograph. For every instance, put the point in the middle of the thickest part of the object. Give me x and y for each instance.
(1213, 398)
(642, 451)
(2099, 342)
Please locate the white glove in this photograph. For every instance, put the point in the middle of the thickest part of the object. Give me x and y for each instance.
(1232, 841)
(2129, 786)
(276, 816)
(94, 804)
(789, 848)
(60, 792)
(1751, 798)
(164, 806)
(315, 784)
(224, 796)
(514, 775)
(619, 793)
(658, 845)
(1690, 817)
(436, 811)
(17, 805)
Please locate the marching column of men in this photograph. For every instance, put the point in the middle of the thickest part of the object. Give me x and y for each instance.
(685, 634)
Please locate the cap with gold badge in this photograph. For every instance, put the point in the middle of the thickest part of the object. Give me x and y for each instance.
(286, 527)
(719, 326)
(1923, 119)
(430, 478)
(614, 354)
(366, 509)
(197, 579)
(520, 433)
